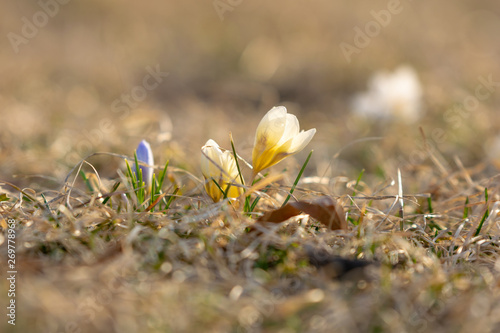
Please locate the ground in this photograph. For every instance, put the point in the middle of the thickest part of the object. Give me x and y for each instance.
(84, 82)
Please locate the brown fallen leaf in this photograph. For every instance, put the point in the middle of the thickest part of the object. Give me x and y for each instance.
(280, 214)
(324, 209)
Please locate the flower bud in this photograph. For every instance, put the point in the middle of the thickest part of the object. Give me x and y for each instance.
(145, 155)
(219, 166)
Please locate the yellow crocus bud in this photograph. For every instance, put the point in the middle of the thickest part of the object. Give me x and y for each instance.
(220, 166)
(277, 137)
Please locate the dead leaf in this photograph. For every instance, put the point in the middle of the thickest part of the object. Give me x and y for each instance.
(280, 214)
(324, 209)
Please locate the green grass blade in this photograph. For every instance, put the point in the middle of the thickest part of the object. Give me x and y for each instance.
(218, 186)
(141, 195)
(254, 204)
(466, 209)
(45, 201)
(153, 190)
(298, 178)
(115, 187)
(236, 160)
(480, 226)
(140, 188)
(131, 174)
(429, 203)
(250, 207)
(256, 201)
(162, 176)
(86, 181)
(246, 207)
(247, 199)
(137, 171)
(227, 190)
(171, 198)
(486, 213)
(357, 181)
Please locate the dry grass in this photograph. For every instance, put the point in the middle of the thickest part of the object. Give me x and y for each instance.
(85, 266)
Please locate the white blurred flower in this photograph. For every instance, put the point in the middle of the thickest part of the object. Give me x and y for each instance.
(391, 95)
(145, 155)
(277, 137)
(219, 166)
(492, 147)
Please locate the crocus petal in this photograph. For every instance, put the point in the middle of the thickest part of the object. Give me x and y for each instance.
(211, 159)
(271, 127)
(291, 129)
(212, 190)
(227, 160)
(144, 152)
(145, 155)
(277, 113)
(234, 191)
(273, 156)
(301, 140)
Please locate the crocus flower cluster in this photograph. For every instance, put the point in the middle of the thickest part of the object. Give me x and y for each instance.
(277, 137)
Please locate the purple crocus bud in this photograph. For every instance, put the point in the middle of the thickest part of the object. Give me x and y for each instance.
(145, 155)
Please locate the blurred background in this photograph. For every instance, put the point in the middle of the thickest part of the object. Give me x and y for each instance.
(387, 84)
(99, 76)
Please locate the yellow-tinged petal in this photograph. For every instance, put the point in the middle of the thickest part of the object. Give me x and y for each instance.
(210, 151)
(271, 127)
(277, 137)
(301, 140)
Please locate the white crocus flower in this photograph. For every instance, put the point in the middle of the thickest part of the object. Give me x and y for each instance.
(391, 95)
(492, 147)
(277, 137)
(145, 155)
(219, 166)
